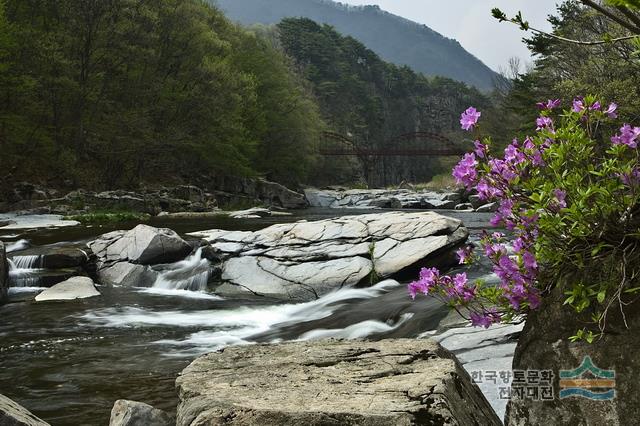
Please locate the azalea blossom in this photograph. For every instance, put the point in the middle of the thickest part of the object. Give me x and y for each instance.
(469, 118)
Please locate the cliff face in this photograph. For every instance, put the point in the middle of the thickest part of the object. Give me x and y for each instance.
(395, 39)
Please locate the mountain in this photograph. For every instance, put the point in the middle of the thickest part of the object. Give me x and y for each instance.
(395, 39)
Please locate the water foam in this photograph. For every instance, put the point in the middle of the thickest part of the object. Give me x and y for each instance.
(236, 326)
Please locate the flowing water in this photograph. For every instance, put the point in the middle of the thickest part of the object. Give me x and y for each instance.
(69, 361)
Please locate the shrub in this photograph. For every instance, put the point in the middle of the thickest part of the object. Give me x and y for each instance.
(568, 196)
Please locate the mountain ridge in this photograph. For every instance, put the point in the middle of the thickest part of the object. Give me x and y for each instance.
(396, 39)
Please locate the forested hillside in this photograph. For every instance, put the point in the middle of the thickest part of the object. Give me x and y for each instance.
(123, 94)
(372, 102)
(395, 39)
(119, 93)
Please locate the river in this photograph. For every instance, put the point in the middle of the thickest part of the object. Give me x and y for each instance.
(69, 361)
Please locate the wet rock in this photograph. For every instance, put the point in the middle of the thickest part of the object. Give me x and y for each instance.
(133, 413)
(464, 206)
(487, 208)
(6, 222)
(127, 274)
(232, 189)
(254, 213)
(4, 274)
(399, 382)
(545, 345)
(56, 257)
(305, 260)
(143, 245)
(73, 288)
(13, 414)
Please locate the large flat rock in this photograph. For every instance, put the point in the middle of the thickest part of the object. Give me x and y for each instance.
(73, 288)
(304, 260)
(391, 382)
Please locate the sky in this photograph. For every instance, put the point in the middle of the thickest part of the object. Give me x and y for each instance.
(470, 22)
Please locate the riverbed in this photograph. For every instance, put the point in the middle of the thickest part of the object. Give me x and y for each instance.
(69, 361)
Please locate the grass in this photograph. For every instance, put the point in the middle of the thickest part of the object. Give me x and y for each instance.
(438, 182)
(101, 217)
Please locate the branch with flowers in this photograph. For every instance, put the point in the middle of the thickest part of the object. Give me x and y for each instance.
(569, 207)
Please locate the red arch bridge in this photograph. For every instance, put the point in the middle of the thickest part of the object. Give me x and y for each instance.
(430, 144)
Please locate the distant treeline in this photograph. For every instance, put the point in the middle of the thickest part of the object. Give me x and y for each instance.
(119, 93)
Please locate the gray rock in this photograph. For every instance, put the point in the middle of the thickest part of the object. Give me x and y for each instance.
(13, 414)
(464, 206)
(305, 260)
(475, 201)
(545, 345)
(487, 208)
(6, 222)
(73, 288)
(390, 382)
(127, 274)
(57, 257)
(4, 274)
(381, 198)
(143, 245)
(133, 413)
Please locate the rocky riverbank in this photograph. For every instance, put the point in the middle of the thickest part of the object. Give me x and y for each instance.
(396, 199)
(212, 194)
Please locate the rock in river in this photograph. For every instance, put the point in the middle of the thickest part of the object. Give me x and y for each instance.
(304, 260)
(13, 414)
(390, 382)
(73, 288)
(123, 255)
(133, 413)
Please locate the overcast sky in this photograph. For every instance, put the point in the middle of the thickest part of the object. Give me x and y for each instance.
(470, 22)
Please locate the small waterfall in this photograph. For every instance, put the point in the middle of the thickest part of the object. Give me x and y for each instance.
(24, 271)
(26, 262)
(190, 274)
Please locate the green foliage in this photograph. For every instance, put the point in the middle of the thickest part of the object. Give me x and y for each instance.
(398, 40)
(115, 93)
(371, 102)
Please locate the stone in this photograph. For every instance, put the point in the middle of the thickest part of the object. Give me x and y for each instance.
(127, 274)
(4, 274)
(73, 288)
(6, 222)
(55, 257)
(390, 382)
(253, 213)
(487, 208)
(544, 345)
(475, 201)
(133, 413)
(13, 414)
(305, 260)
(143, 245)
(382, 198)
(464, 207)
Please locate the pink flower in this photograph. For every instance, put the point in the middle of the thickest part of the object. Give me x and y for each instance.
(612, 110)
(469, 118)
(578, 104)
(485, 318)
(549, 105)
(544, 123)
(465, 172)
(628, 136)
(480, 149)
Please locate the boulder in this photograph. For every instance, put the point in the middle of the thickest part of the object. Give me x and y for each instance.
(464, 207)
(13, 414)
(390, 382)
(53, 257)
(475, 201)
(382, 198)
(545, 345)
(73, 288)
(144, 245)
(4, 274)
(304, 260)
(127, 274)
(133, 413)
